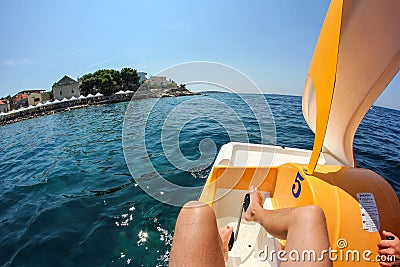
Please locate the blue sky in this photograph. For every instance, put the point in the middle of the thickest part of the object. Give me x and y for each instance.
(272, 42)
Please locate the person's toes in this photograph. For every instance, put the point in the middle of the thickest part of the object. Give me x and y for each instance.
(225, 234)
(255, 203)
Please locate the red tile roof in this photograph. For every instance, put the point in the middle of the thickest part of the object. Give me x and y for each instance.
(20, 97)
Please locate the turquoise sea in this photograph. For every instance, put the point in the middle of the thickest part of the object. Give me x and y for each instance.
(68, 198)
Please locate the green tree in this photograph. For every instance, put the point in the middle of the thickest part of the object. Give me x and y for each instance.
(50, 94)
(88, 84)
(107, 84)
(109, 81)
(129, 79)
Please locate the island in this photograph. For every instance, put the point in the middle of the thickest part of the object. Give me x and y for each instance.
(104, 86)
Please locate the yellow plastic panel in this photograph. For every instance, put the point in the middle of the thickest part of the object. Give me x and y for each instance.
(323, 74)
(368, 57)
(335, 190)
(238, 178)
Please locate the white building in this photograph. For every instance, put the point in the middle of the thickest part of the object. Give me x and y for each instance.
(142, 76)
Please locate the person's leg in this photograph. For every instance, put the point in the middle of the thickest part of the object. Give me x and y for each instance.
(308, 232)
(303, 228)
(197, 240)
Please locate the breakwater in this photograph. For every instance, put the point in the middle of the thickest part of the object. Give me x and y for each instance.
(82, 102)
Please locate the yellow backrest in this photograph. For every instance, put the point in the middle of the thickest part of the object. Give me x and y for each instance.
(238, 178)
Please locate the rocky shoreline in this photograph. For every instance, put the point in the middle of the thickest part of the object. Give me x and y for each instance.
(38, 111)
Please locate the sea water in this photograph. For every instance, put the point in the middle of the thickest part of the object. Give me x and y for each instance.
(68, 198)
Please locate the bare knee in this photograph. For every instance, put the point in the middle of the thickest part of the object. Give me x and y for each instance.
(311, 215)
(194, 204)
(314, 211)
(196, 211)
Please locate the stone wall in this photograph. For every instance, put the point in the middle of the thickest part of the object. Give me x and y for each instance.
(66, 88)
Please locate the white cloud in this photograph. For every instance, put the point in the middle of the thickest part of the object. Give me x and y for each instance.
(95, 64)
(9, 62)
(17, 62)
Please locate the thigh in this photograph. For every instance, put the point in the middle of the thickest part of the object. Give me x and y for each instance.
(196, 239)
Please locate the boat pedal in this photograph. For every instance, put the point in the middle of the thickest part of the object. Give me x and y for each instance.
(245, 205)
(231, 241)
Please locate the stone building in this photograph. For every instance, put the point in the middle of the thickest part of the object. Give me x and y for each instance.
(4, 106)
(158, 81)
(66, 88)
(36, 98)
(20, 100)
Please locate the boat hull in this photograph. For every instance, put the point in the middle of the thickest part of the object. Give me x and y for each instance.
(358, 203)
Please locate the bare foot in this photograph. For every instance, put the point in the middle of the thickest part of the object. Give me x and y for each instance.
(255, 204)
(225, 234)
